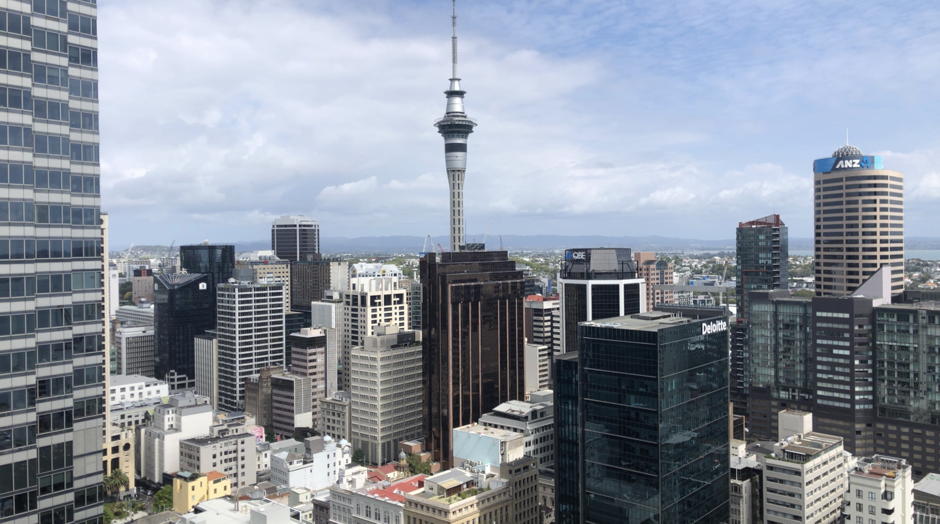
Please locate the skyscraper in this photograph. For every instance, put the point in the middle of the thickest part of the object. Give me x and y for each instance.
(455, 127)
(295, 238)
(250, 330)
(642, 420)
(762, 264)
(473, 339)
(52, 325)
(859, 219)
(217, 262)
(183, 309)
(597, 283)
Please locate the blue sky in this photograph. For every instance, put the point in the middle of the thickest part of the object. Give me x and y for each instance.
(596, 116)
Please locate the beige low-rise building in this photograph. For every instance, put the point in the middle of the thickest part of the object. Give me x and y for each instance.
(805, 479)
(189, 489)
(460, 496)
(880, 488)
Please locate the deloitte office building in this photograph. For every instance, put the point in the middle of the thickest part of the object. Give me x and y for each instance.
(642, 418)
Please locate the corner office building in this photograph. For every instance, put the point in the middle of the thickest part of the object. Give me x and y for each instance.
(472, 316)
(51, 328)
(859, 221)
(597, 283)
(647, 395)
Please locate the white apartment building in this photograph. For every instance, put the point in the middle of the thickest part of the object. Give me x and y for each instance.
(250, 332)
(375, 297)
(319, 467)
(880, 490)
(184, 416)
(537, 367)
(805, 480)
(135, 388)
(387, 393)
(533, 420)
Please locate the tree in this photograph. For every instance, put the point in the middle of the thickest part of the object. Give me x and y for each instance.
(116, 481)
(416, 465)
(163, 499)
(359, 457)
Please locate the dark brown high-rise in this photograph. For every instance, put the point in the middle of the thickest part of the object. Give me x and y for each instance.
(472, 315)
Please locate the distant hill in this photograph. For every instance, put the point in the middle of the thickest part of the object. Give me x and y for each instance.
(415, 244)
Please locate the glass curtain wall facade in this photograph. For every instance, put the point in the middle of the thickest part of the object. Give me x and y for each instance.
(652, 421)
(183, 309)
(762, 264)
(780, 345)
(51, 329)
(472, 316)
(907, 399)
(217, 262)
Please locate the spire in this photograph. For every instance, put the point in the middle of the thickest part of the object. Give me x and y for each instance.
(453, 38)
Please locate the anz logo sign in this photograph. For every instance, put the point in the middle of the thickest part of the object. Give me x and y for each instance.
(827, 165)
(849, 163)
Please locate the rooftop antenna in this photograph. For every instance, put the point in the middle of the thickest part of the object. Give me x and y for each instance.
(453, 38)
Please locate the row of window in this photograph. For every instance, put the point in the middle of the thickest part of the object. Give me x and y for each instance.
(18, 437)
(16, 61)
(23, 174)
(17, 504)
(83, 120)
(13, 287)
(53, 8)
(51, 110)
(60, 515)
(86, 25)
(17, 399)
(17, 324)
(54, 386)
(51, 145)
(15, 23)
(54, 421)
(28, 249)
(18, 362)
(16, 98)
(84, 152)
(88, 496)
(90, 407)
(85, 56)
(66, 316)
(51, 75)
(17, 136)
(18, 475)
(55, 483)
(56, 214)
(50, 40)
(54, 352)
(83, 88)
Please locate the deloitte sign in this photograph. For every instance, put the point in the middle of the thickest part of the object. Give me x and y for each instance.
(716, 326)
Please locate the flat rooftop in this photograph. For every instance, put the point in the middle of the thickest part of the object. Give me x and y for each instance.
(929, 485)
(812, 443)
(124, 380)
(501, 434)
(649, 321)
(926, 304)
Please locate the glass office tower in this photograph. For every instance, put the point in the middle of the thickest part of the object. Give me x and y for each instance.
(473, 340)
(51, 328)
(183, 309)
(652, 421)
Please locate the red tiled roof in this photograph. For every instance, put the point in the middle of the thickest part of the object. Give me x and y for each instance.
(396, 492)
(214, 475)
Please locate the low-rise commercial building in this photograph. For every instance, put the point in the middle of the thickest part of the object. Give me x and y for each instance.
(381, 502)
(319, 466)
(135, 388)
(533, 420)
(805, 479)
(183, 416)
(880, 489)
(229, 448)
(190, 489)
(135, 350)
(927, 500)
(335, 416)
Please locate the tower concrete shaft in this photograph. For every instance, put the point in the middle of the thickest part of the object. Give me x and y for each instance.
(455, 127)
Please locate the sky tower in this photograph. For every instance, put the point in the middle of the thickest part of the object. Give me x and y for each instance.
(455, 127)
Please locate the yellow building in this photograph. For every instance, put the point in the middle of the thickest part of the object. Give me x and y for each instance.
(190, 489)
(119, 454)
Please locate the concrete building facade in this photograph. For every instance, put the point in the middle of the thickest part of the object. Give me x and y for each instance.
(859, 221)
(805, 480)
(250, 334)
(229, 448)
(880, 488)
(386, 393)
